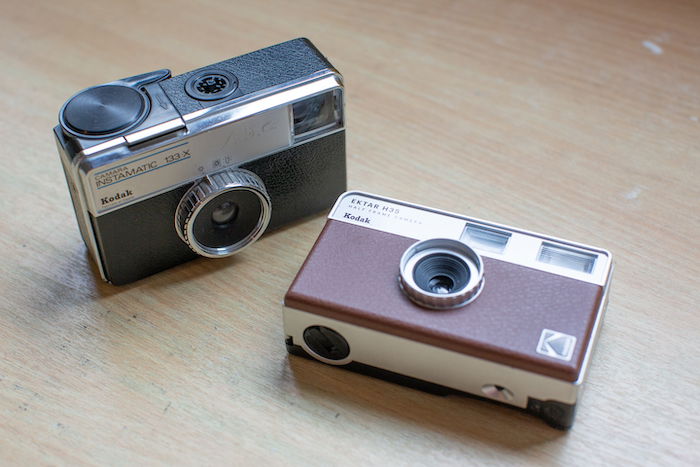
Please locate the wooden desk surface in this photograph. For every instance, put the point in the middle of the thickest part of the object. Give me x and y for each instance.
(575, 118)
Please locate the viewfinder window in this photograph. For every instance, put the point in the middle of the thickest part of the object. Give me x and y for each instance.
(317, 114)
(485, 238)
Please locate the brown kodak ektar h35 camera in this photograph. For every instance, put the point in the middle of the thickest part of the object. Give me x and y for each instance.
(450, 304)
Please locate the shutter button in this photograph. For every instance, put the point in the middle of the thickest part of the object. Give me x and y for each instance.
(103, 110)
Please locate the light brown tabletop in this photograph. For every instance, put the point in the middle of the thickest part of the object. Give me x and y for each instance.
(576, 119)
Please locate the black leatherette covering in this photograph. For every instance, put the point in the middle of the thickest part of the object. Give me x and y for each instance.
(139, 240)
(257, 70)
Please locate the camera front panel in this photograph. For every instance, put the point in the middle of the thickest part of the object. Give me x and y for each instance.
(503, 324)
(304, 179)
(526, 316)
(140, 239)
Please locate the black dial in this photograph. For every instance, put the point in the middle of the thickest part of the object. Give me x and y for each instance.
(326, 342)
(104, 110)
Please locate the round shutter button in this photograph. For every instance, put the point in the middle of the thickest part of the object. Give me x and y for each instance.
(104, 110)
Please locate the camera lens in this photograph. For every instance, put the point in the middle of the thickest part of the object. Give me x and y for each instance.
(223, 213)
(218, 224)
(441, 273)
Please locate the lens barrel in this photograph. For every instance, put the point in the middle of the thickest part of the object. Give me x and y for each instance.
(441, 273)
(223, 213)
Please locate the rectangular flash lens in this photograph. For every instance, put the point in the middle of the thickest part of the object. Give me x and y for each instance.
(567, 258)
(486, 239)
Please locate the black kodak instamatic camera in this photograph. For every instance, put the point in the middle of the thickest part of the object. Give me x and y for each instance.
(162, 169)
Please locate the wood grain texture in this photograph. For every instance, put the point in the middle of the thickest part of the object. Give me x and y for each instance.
(579, 119)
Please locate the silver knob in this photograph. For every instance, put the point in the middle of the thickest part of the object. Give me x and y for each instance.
(223, 213)
(441, 273)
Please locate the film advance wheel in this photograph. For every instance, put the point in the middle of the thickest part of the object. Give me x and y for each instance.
(104, 110)
(326, 344)
(223, 213)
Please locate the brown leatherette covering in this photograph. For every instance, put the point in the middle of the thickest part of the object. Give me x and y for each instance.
(352, 272)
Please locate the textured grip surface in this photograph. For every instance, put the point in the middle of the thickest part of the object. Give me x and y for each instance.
(303, 180)
(140, 239)
(257, 70)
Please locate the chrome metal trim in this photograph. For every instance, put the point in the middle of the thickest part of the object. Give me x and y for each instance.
(209, 188)
(185, 181)
(455, 248)
(224, 117)
(91, 151)
(224, 113)
(76, 186)
(239, 112)
(595, 332)
(244, 100)
(154, 131)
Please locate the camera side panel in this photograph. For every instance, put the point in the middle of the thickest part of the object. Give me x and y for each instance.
(255, 71)
(139, 240)
(303, 180)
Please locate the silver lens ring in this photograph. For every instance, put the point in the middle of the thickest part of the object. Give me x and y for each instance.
(197, 199)
(441, 273)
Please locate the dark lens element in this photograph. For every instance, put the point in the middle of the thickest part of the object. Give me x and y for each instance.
(227, 219)
(224, 214)
(441, 273)
(441, 284)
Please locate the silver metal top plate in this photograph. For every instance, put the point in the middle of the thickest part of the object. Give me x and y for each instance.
(211, 142)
